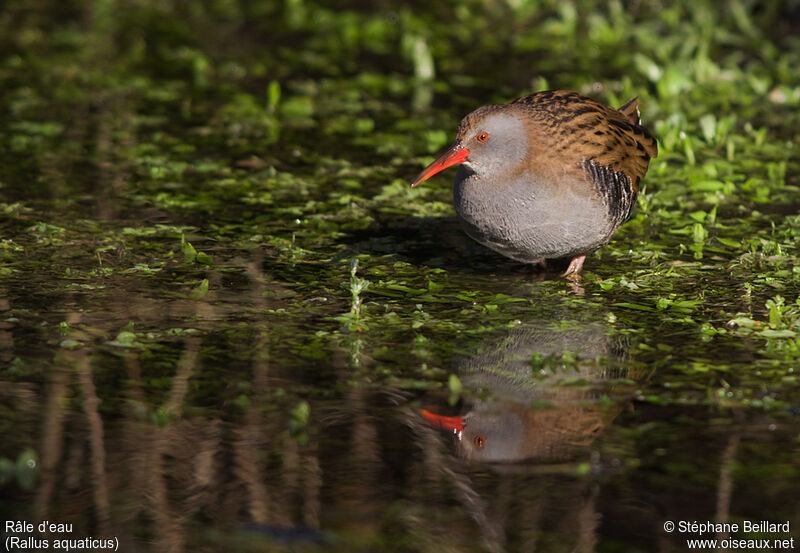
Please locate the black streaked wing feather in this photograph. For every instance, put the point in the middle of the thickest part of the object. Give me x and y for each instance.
(614, 188)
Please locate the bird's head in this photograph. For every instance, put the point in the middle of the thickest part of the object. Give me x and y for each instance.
(490, 140)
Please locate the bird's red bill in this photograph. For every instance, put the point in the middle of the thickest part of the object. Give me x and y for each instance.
(455, 155)
(454, 424)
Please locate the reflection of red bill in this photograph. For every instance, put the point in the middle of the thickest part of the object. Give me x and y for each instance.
(453, 424)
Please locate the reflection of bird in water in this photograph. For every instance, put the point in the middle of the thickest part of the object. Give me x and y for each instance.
(544, 387)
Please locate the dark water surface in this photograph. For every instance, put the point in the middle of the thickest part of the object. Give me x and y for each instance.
(227, 324)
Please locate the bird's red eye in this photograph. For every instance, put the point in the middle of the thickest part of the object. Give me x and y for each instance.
(483, 137)
(479, 442)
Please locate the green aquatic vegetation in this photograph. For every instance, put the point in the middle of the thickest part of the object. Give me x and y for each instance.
(190, 254)
(783, 320)
(356, 286)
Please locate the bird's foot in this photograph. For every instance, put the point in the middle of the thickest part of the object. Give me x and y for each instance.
(575, 266)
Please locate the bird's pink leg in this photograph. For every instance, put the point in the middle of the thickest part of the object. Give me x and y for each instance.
(575, 266)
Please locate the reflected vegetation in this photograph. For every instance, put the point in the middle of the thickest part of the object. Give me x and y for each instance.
(566, 457)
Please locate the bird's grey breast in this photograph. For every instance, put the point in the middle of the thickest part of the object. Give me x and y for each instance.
(494, 212)
(526, 218)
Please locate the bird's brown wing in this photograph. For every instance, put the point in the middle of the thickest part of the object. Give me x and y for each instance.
(609, 145)
(598, 133)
